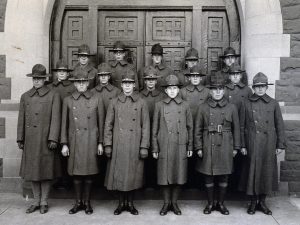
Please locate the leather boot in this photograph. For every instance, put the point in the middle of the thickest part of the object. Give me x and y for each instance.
(261, 206)
(220, 205)
(78, 206)
(175, 194)
(131, 207)
(87, 196)
(210, 200)
(252, 206)
(166, 190)
(121, 205)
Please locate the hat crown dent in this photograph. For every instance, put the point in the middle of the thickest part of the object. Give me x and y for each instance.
(157, 49)
(217, 79)
(260, 78)
(192, 53)
(235, 68)
(172, 80)
(119, 45)
(197, 69)
(84, 49)
(129, 75)
(229, 51)
(150, 72)
(61, 64)
(104, 68)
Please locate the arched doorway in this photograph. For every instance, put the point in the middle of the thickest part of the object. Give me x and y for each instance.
(208, 26)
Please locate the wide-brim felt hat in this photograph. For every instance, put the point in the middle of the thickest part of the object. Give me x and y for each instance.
(84, 50)
(260, 79)
(229, 52)
(104, 69)
(128, 76)
(196, 70)
(38, 71)
(119, 46)
(235, 68)
(192, 54)
(157, 49)
(150, 73)
(216, 80)
(171, 80)
(62, 66)
(79, 75)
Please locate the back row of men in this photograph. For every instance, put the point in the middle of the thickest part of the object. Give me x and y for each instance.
(213, 116)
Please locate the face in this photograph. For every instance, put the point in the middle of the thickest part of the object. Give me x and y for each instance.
(156, 59)
(195, 80)
(235, 77)
(38, 82)
(229, 60)
(191, 63)
(61, 75)
(217, 93)
(119, 55)
(128, 87)
(150, 83)
(172, 91)
(83, 60)
(104, 79)
(81, 86)
(260, 90)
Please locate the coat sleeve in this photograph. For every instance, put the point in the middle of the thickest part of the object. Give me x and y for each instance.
(242, 117)
(279, 126)
(64, 122)
(21, 121)
(189, 126)
(145, 137)
(155, 128)
(198, 130)
(109, 124)
(101, 119)
(236, 128)
(55, 118)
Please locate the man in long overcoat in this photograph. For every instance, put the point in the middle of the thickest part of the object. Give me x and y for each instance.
(126, 141)
(84, 65)
(172, 143)
(82, 136)
(262, 138)
(38, 135)
(216, 140)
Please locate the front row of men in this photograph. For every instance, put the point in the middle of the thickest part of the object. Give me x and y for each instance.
(125, 125)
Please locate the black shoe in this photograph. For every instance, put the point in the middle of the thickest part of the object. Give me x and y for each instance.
(261, 206)
(119, 209)
(133, 210)
(222, 208)
(164, 210)
(32, 208)
(252, 208)
(176, 209)
(208, 209)
(88, 208)
(77, 207)
(44, 209)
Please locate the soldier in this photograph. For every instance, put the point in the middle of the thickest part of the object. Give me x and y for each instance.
(64, 87)
(236, 93)
(191, 60)
(120, 64)
(172, 143)
(195, 94)
(216, 140)
(106, 90)
(38, 135)
(126, 141)
(263, 137)
(82, 137)
(151, 95)
(157, 63)
(85, 65)
(229, 58)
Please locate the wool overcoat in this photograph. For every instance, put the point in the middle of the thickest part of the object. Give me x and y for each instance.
(64, 88)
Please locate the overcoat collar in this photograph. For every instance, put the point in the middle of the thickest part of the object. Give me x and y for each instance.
(134, 96)
(41, 91)
(177, 99)
(115, 63)
(87, 68)
(100, 87)
(214, 103)
(231, 85)
(160, 66)
(191, 87)
(87, 94)
(255, 98)
(64, 83)
(153, 93)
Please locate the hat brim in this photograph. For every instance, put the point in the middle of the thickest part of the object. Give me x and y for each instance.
(103, 73)
(192, 58)
(128, 80)
(197, 74)
(169, 85)
(85, 54)
(119, 49)
(62, 69)
(261, 84)
(38, 76)
(156, 53)
(78, 79)
(215, 86)
(240, 71)
(224, 56)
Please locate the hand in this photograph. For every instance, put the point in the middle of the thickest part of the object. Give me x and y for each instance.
(108, 151)
(189, 154)
(234, 152)
(52, 145)
(244, 151)
(143, 153)
(279, 151)
(21, 145)
(100, 149)
(200, 153)
(65, 151)
(155, 155)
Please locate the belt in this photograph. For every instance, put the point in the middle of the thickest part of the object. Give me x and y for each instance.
(217, 129)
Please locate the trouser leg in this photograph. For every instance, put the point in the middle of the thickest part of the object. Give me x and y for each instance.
(36, 189)
(45, 190)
